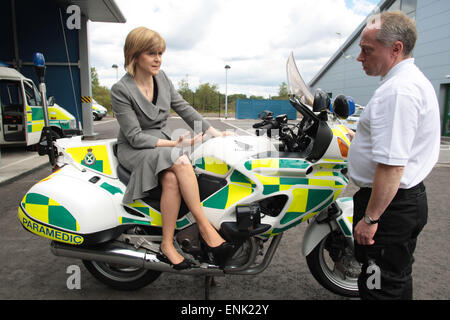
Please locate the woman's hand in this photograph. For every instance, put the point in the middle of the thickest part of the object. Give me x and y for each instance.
(216, 133)
(184, 141)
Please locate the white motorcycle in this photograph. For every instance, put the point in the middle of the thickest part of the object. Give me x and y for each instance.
(252, 188)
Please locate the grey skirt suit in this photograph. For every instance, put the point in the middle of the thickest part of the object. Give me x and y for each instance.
(142, 123)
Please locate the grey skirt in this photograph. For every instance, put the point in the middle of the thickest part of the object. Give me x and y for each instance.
(145, 166)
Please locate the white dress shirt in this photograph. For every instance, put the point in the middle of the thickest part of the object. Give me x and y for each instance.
(400, 126)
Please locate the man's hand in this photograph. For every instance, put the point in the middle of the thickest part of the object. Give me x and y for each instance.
(350, 133)
(385, 186)
(364, 233)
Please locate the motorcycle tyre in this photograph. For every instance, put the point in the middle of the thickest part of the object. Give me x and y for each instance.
(315, 265)
(144, 277)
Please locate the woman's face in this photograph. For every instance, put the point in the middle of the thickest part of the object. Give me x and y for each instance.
(149, 62)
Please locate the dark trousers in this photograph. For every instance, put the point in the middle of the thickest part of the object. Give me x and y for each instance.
(395, 242)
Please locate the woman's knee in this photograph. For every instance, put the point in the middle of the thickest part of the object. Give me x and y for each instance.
(182, 163)
(169, 179)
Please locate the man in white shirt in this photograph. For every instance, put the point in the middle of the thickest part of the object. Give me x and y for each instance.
(395, 148)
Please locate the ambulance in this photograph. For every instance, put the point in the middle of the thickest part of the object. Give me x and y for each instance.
(21, 113)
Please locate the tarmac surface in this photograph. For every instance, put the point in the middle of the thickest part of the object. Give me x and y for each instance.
(28, 270)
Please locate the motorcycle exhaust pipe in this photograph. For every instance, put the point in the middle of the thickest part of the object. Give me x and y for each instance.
(126, 255)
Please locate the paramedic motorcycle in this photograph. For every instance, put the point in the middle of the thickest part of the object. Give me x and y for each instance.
(252, 189)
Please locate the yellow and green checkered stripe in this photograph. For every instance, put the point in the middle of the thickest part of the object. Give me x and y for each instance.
(213, 165)
(35, 119)
(239, 188)
(276, 163)
(155, 216)
(49, 211)
(306, 203)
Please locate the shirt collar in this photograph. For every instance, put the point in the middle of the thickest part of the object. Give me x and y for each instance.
(397, 68)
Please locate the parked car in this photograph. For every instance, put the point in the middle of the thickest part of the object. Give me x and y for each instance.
(98, 111)
(352, 121)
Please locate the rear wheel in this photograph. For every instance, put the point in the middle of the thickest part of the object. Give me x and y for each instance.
(121, 277)
(333, 265)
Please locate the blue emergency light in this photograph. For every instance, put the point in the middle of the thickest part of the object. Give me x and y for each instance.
(39, 60)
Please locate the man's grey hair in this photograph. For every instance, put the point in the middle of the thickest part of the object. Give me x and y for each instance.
(395, 26)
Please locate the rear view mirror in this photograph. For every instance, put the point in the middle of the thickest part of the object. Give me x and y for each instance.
(51, 101)
(321, 101)
(265, 115)
(341, 107)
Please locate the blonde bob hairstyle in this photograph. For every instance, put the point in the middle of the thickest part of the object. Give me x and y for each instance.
(141, 40)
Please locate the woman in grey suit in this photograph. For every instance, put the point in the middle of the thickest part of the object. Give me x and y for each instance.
(141, 101)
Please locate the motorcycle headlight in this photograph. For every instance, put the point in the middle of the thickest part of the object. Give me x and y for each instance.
(72, 124)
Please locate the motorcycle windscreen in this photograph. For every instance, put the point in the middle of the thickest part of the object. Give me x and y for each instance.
(296, 85)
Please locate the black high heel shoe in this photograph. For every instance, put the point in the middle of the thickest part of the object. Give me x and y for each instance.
(221, 253)
(185, 264)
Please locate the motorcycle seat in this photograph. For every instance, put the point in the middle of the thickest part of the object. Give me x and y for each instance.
(207, 186)
(124, 176)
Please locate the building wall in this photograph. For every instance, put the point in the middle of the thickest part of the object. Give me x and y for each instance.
(431, 53)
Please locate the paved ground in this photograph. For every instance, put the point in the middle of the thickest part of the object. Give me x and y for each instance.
(28, 270)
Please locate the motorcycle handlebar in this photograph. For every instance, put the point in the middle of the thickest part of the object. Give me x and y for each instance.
(268, 126)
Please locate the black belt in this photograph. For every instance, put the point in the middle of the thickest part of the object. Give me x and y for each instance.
(418, 188)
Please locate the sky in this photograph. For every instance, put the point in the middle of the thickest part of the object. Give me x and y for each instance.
(253, 37)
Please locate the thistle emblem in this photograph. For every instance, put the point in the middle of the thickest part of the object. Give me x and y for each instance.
(89, 158)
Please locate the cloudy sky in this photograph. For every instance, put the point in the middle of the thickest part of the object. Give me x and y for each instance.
(254, 37)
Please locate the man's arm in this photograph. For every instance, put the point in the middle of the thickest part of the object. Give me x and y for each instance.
(385, 186)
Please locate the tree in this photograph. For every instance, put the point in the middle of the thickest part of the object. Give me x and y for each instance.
(100, 93)
(283, 90)
(185, 91)
(207, 98)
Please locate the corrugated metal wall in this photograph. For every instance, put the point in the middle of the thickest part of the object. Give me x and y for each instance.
(431, 53)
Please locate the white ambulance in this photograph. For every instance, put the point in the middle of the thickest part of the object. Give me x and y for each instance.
(21, 113)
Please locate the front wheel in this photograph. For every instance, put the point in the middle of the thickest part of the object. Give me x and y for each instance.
(333, 265)
(120, 277)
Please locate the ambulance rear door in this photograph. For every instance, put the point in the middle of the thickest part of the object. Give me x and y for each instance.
(34, 113)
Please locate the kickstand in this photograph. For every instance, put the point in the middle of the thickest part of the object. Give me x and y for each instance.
(209, 282)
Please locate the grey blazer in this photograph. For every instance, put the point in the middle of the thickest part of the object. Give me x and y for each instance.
(142, 123)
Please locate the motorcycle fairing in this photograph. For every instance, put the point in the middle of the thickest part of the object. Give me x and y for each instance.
(96, 156)
(308, 194)
(52, 232)
(345, 221)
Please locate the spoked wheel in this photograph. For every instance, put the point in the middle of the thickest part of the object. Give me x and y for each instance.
(121, 277)
(334, 267)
